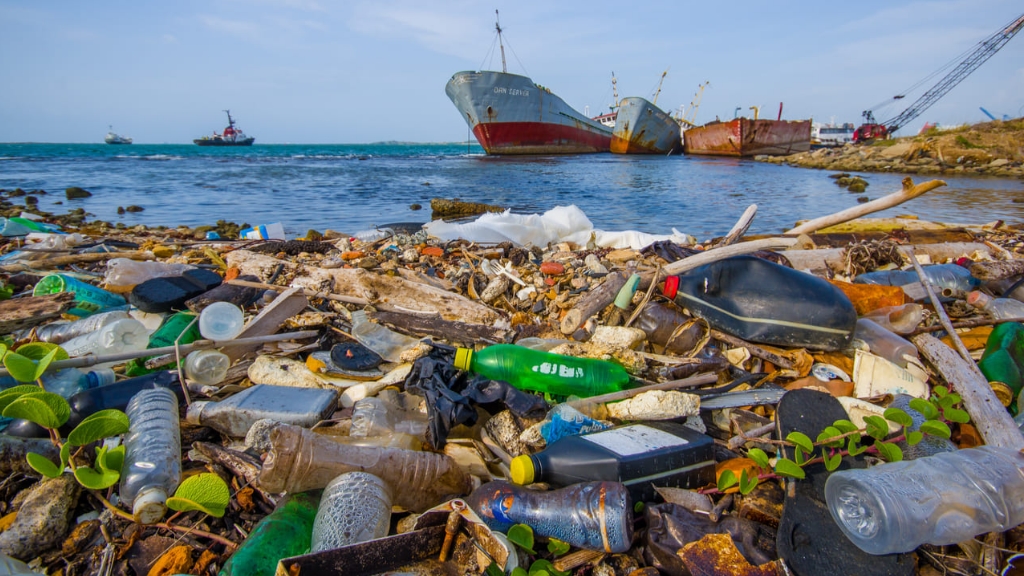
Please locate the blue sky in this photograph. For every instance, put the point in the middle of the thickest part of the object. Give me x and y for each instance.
(316, 71)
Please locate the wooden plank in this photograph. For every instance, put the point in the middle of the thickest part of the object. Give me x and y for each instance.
(269, 321)
(989, 416)
(20, 313)
(437, 327)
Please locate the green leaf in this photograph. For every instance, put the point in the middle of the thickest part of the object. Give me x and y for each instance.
(44, 408)
(877, 427)
(788, 468)
(935, 428)
(12, 394)
(830, 432)
(31, 360)
(517, 571)
(43, 465)
(890, 452)
(832, 462)
(853, 446)
(898, 416)
(926, 408)
(747, 483)
(110, 460)
(845, 426)
(541, 567)
(956, 398)
(557, 547)
(65, 455)
(21, 368)
(726, 480)
(96, 480)
(799, 456)
(945, 402)
(801, 440)
(103, 424)
(39, 350)
(522, 535)
(913, 438)
(205, 492)
(760, 458)
(494, 570)
(940, 391)
(956, 415)
(638, 507)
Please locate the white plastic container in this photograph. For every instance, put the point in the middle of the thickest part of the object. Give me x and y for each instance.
(221, 321)
(124, 335)
(355, 507)
(206, 367)
(941, 499)
(152, 462)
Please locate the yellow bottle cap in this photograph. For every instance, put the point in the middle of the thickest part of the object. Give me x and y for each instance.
(521, 470)
(1003, 393)
(463, 356)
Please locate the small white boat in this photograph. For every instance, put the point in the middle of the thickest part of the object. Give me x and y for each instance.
(113, 138)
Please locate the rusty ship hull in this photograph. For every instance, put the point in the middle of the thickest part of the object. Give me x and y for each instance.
(643, 128)
(746, 137)
(510, 114)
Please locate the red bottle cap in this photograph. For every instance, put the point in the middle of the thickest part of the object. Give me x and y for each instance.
(671, 287)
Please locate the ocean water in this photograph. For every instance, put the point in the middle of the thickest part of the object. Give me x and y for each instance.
(356, 187)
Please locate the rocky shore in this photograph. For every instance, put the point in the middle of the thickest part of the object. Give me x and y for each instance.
(989, 149)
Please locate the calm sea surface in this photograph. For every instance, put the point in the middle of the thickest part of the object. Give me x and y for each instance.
(354, 187)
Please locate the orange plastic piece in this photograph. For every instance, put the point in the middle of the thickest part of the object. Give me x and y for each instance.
(352, 255)
(432, 251)
(868, 297)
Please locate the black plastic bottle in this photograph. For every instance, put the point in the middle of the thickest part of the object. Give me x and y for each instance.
(86, 402)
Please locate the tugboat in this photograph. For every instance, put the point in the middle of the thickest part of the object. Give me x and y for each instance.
(112, 138)
(231, 137)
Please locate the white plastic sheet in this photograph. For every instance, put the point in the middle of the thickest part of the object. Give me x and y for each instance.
(560, 224)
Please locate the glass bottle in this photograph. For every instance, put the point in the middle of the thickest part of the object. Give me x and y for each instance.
(355, 507)
(283, 533)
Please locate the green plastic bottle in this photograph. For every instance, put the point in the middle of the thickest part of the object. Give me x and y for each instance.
(1003, 361)
(165, 335)
(285, 532)
(529, 369)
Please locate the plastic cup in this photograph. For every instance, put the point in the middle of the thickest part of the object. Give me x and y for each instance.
(221, 321)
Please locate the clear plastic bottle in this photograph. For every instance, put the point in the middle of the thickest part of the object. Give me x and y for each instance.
(528, 369)
(1000, 308)
(941, 499)
(283, 533)
(380, 415)
(221, 321)
(59, 332)
(51, 241)
(387, 343)
(125, 335)
(941, 276)
(124, 273)
(884, 343)
(355, 507)
(590, 515)
(152, 461)
(300, 460)
(71, 381)
(236, 414)
(899, 319)
(206, 367)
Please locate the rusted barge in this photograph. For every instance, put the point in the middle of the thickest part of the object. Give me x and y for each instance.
(746, 137)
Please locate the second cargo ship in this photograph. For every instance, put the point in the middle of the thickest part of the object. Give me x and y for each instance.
(510, 114)
(643, 128)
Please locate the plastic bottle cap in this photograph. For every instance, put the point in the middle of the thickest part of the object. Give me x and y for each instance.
(192, 415)
(977, 298)
(150, 505)
(463, 356)
(1003, 393)
(521, 470)
(671, 287)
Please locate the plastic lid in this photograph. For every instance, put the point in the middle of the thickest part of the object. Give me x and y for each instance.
(150, 505)
(1003, 393)
(192, 415)
(463, 356)
(521, 470)
(671, 286)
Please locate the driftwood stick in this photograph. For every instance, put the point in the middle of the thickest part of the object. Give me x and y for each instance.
(309, 293)
(740, 228)
(943, 317)
(691, 382)
(755, 351)
(997, 270)
(909, 192)
(753, 435)
(437, 327)
(716, 254)
(974, 323)
(593, 302)
(74, 259)
(19, 313)
(92, 360)
(988, 415)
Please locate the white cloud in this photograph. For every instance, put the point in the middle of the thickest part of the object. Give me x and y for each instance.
(452, 28)
(169, 39)
(240, 28)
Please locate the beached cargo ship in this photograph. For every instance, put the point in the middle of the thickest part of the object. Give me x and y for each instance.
(746, 137)
(510, 114)
(643, 128)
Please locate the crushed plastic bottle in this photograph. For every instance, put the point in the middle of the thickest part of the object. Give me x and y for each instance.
(124, 335)
(387, 343)
(1000, 308)
(152, 461)
(124, 273)
(941, 276)
(59, 332)
(355, 507)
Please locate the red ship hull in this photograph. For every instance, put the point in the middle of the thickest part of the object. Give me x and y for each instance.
(746, 137)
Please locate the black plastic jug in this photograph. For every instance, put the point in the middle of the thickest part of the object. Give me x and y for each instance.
(763, 302)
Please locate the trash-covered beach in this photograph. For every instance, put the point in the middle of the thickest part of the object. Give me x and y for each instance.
(520, 394)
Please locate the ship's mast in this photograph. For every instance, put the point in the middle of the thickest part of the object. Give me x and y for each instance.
(658, 91)
(615, 92)
(230, 121)
(497, 26)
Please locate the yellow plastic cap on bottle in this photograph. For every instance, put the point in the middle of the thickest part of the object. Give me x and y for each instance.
(521, 470)
(463, 356)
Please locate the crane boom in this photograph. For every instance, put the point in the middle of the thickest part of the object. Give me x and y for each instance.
(985, 50)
